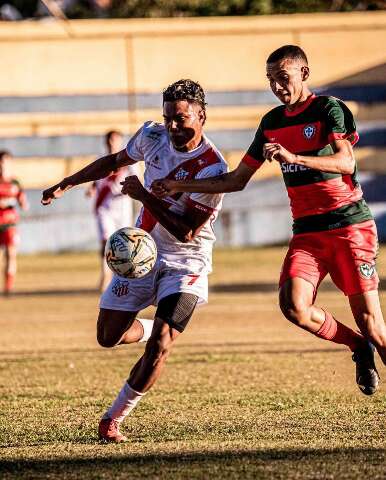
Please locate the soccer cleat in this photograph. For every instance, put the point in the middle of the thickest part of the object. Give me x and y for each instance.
(366, 373)
(108, 431)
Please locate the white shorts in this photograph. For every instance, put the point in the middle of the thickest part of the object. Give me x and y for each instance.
(166, 278)
(117, 215)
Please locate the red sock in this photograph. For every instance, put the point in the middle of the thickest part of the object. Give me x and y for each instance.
(338, 333)
(9, 281)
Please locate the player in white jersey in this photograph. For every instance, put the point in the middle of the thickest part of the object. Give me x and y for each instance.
(182, 228)
(112, 209)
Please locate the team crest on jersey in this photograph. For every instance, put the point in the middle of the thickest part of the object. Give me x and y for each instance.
(367, 270)
(181, 174)
(309, 131)
(120, 288)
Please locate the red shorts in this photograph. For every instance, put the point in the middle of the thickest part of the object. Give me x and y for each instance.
(347, 254)
(9, 237)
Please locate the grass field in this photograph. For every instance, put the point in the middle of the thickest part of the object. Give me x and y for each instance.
(245, 394)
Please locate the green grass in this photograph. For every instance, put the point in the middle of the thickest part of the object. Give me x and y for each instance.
(245, 394)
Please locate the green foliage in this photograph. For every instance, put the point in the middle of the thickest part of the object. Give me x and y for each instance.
(198, 8)
(193, 8)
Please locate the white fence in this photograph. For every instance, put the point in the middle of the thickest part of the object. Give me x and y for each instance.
(259, 215)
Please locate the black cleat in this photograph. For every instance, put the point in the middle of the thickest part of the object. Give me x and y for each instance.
(366, 373)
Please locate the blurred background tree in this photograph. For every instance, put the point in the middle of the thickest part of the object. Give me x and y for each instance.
(188, 8)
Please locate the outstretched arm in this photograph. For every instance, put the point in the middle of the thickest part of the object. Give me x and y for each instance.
(94, 171)
(183, 227)
(227, 182)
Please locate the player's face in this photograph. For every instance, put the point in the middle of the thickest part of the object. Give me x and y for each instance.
(5, 165)
(184, 121)
(286, 79)
(114, 143)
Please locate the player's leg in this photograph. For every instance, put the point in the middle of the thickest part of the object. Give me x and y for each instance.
(116, 327)
(368, 315)
(352, 269)
(305, 266)
(105, 228)
(173, 314)
(297, 304)
(105, 274)
(10, 253)
(119, 304)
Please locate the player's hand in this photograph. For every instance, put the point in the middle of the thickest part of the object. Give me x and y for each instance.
(275, 151)
(163, 187)
(133, 187)
(54, 192)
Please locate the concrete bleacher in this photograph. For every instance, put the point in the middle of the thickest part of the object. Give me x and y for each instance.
(66, 86)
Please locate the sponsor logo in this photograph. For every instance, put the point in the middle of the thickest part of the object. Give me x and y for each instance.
(367, 270)
(309, 131)
(120, 288)
(292, 168)
(201, 162)
(181, 174)
(154, 162)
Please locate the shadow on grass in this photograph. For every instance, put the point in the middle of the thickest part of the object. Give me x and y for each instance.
(48, 293)
(266, 463)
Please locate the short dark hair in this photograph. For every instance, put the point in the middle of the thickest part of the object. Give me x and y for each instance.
(111, 133)
(185, 89)
(292, 52)
(4, 153)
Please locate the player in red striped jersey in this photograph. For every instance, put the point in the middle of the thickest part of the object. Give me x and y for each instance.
(334, 232)
(11, 196)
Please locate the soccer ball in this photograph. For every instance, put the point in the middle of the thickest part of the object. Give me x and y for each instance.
(131, 252)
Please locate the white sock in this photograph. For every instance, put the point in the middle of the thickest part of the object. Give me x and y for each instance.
(147, 326)
(126, 400)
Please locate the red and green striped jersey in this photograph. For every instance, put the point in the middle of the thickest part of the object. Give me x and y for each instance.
(10, 195)
(319, 200)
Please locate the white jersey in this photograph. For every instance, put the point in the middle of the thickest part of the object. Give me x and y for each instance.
(108, 189)
(151, 144)
(112, 209)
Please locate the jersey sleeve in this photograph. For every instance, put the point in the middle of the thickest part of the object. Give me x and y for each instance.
(135, 146)
(208, 202)
(254, 155)
(339, 122)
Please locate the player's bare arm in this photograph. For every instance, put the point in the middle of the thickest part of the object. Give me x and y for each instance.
(342, 161)
(227, 182)
(184, 228)
(94, 171)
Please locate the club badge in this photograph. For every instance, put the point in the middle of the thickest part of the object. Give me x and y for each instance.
(309, 131)
(366, 270)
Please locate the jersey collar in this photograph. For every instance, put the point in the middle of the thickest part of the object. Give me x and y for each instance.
(302, 107)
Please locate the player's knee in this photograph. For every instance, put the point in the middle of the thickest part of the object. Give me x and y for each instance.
(296, 312)
(105, 339)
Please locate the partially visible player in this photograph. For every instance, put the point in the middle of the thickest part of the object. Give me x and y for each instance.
(11, 196)
(334, 231)
(181, 226)
(113, 210)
